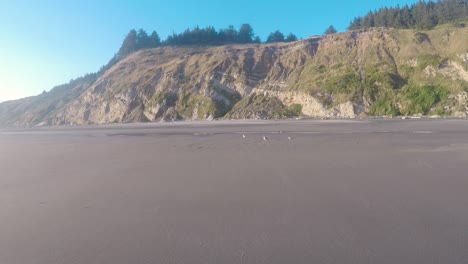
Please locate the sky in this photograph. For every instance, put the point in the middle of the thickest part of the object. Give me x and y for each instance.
(44, 43)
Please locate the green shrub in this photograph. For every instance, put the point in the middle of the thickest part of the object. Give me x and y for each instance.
(187, 102)
(296, 109)
(425, 60)
(384, 104)
(422, 98)
(343, 83)
(375, 78)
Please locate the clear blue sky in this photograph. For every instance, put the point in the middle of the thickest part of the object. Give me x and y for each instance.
(47, 42)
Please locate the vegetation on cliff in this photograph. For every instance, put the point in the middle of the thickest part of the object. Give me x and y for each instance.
(421, 15)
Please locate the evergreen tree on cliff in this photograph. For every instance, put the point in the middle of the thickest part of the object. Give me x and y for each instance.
(276, 36)
(229, 35)
(129, 44)
(420, 15)
(290, 38)
(143, 40)
(246, 34)
(155, 41)
(330, 30)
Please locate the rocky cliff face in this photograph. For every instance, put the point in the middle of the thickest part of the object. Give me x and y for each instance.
(188, 83)
(376, 72)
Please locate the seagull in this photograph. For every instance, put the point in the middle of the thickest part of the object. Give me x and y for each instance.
(265, 138)
(290, 138)
(243, 135)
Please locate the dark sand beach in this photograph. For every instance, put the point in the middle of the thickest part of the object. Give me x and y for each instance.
(393, 191)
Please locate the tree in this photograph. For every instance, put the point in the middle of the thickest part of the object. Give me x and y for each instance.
(228, 35)
(155, 41)
(330, 30)
(143, 40)
(290, 38)
(406, 19)
(368, 20)
(276, 36)
(129, 44)
(424, 14)
(381, 19)
(210, 36)
(355, 24)
(171, 40)
(246, 33)
(257, 40)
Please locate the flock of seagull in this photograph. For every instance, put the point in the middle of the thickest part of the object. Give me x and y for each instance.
(264, 137)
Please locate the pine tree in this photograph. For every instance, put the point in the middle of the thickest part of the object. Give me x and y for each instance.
(406, 18)
(368, 20)
(290, 38)
(276, 36)
(246, 33)
(422, 15)
(229, 35)
(143, 40)
(330, 30)
(129, 44)
(155, 41)
(355, 24)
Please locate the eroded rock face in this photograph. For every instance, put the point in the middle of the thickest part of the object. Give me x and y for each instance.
(312, 106)
(454, 71)
(219, 77)
(204, 83)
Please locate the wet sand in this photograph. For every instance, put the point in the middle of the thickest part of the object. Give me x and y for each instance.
(338, 192)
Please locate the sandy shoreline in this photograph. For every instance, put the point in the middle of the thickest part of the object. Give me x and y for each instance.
(337, 192)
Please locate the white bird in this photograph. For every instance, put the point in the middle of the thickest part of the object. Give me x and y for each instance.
(265, 138)
(243, 135)
(290, 138)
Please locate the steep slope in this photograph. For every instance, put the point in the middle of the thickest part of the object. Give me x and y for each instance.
(377, 72)
(35, 110)
(185, 83)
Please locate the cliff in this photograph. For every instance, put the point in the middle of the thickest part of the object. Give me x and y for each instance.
(369, 72)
